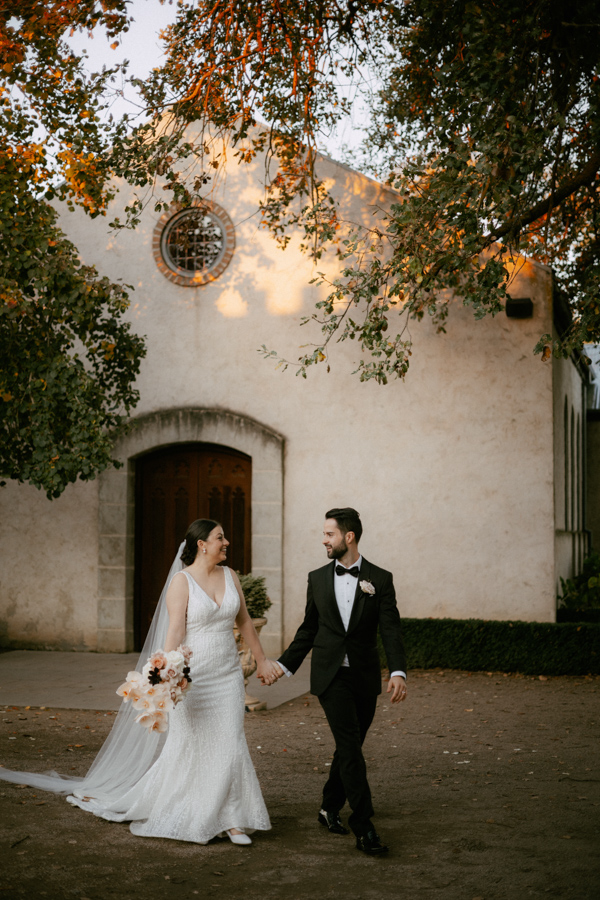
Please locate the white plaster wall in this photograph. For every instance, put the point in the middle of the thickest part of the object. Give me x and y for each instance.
(48, 573)
(593, 485)
(570, 538)
(451, 470)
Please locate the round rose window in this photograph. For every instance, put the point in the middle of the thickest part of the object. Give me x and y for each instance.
(195, 244)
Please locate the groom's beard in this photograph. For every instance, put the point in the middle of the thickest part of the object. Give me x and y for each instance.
(337, 552)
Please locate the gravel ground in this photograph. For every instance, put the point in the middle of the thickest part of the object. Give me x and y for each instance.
(487, 787)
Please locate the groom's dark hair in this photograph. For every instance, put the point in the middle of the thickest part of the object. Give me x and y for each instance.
(348, 520)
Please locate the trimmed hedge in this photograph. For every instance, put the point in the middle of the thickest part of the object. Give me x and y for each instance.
(533, 648)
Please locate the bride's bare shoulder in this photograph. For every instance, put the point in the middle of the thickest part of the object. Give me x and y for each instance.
(178, 588)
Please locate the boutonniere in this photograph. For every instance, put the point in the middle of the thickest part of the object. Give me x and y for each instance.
(367, 588)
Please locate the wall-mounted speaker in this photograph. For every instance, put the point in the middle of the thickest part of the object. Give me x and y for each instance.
(519, 307)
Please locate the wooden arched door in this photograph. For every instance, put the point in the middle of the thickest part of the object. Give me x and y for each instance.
(174, 486)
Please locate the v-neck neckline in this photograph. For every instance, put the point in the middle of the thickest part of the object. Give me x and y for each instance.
(212, 599)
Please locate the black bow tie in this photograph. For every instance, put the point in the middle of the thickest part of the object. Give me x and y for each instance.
(340, 570)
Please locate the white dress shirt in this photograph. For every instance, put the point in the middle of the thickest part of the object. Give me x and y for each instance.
(344, 587)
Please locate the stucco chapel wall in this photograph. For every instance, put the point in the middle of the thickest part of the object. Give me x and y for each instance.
(593, 485)
(48, 576)
(451, 470)
(571, 539)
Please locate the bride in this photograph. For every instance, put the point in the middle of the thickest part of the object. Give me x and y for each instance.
(197, 781)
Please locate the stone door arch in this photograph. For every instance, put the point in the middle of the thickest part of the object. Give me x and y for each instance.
(116, 558)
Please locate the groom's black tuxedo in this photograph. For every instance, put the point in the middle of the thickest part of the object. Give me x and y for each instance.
(348, 694)
(323, 630)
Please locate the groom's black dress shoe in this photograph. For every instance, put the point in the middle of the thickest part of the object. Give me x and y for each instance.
(370, 843)
(332, 821)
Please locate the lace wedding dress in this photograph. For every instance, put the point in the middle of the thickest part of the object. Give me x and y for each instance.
(203, 781)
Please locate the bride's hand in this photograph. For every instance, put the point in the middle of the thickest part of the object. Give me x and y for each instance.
(268, 671)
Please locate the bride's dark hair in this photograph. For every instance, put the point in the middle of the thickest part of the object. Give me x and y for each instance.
(197, 531)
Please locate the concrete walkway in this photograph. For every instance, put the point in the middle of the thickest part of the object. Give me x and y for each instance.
(89, 680)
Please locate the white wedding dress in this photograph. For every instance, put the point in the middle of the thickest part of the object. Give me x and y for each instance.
(203, 781)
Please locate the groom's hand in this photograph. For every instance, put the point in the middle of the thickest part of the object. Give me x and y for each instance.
(277, 671)
(397, 686)
(268, 671)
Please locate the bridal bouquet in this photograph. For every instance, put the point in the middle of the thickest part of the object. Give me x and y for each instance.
(159, 688)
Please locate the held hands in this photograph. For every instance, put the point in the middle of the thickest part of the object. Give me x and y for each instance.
(397, 686)
(269, 671)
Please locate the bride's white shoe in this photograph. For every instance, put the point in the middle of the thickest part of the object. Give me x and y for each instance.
(240, 838)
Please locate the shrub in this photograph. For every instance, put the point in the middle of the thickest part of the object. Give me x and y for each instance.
(583, 591)
(255, 594)
(533, 648)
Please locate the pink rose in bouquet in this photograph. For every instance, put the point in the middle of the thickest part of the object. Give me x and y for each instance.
(185, 652)
(158, 660)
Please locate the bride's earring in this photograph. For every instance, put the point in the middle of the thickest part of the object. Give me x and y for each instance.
(204, 550)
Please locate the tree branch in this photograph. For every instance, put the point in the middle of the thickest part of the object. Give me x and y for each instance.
(585, 176)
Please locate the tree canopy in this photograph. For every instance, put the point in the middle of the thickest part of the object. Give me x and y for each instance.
(67, 360)
(484, 119)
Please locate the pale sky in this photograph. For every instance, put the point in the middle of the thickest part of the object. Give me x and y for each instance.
(142, 47)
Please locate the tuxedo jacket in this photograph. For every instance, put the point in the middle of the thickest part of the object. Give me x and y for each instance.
(323, 632)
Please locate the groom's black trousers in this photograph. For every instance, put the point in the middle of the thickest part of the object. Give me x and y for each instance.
(349, 712)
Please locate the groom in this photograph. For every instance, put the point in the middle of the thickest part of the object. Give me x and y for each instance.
(347, 600)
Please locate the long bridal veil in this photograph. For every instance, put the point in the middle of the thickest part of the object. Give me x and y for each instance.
(129, 750)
